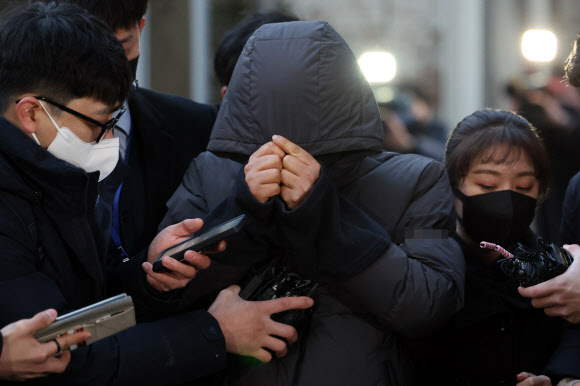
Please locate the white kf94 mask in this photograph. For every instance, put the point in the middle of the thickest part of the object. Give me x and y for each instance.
(90, 157)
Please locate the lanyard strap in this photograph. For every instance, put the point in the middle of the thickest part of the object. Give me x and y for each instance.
(116, 228)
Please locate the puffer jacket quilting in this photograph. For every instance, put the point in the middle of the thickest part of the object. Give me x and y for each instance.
(323, 104)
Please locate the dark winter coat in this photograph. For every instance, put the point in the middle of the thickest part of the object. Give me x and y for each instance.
(52, 256)
(168, 132)
(301, 80)
(570, 227)
(498, 334)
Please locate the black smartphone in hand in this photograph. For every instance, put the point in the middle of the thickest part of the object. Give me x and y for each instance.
(199, 243)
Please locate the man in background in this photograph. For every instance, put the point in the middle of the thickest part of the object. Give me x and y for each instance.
(159, 135)
(233, 42)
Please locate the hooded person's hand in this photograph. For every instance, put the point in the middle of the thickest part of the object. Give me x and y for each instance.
(263, 172)
(300, 170)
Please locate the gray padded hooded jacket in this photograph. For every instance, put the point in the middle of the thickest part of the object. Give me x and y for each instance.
(302, 81)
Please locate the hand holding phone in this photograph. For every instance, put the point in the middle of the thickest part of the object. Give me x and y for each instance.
(101, 319)
(179, 274)
(199, 243)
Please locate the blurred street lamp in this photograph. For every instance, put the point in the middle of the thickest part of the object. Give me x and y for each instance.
(378, 67)
(539, 45)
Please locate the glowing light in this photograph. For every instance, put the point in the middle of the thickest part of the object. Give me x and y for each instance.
(383, 93)
(378, 67)
(539, 45)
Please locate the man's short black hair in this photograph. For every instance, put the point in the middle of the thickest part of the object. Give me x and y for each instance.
(572, 68)
(61, 52)
(231, 46)
(116, 13)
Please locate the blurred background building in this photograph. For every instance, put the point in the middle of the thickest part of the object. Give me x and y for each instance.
(460, 53)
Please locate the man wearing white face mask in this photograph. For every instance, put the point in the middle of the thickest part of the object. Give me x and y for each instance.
(99, 155)
(59, 88)
(62, 75)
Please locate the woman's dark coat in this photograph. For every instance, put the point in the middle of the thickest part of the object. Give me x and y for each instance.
(498, 334)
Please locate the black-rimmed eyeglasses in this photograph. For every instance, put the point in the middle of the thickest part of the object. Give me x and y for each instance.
(105, 127)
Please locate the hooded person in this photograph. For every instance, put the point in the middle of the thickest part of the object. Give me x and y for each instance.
(373, 229)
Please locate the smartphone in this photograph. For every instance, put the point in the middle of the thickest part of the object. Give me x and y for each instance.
(101, 319)
(199, 243)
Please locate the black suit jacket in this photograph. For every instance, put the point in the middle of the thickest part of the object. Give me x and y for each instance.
(168, 132)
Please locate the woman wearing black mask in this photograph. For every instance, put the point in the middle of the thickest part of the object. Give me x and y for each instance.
(499, 173)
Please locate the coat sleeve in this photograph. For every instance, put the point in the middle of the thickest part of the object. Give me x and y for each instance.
(188, 201)
(130, 278)
(214, 189)
(168, 351)
(416, 285)
(327, 236)
(230, 199)
(565, 362)
(570, 226)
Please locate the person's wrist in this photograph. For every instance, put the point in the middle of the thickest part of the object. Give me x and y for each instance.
(214, 312)
(250, 204)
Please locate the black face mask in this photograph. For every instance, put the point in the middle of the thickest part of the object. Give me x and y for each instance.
(499, 217)
(133, 64)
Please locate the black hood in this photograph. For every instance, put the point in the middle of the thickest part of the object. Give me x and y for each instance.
(302, 81)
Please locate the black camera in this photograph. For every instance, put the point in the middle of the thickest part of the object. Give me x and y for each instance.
(529, 266)
(277, 282)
